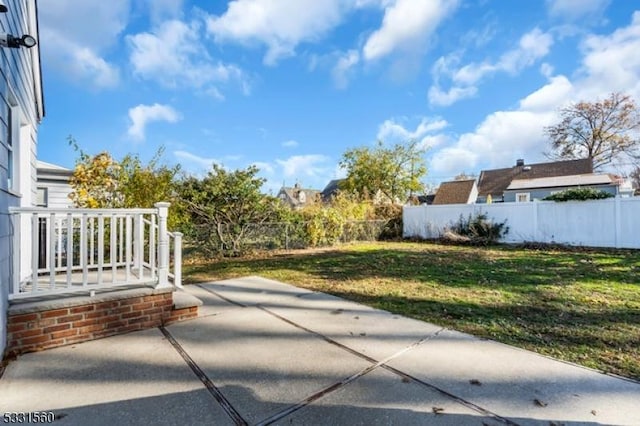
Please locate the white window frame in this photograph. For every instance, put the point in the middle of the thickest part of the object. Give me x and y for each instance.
(527, 195)
(42, 196)
(13, 139)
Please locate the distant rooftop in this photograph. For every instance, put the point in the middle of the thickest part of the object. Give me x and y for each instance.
(494, 182)
(559, 181)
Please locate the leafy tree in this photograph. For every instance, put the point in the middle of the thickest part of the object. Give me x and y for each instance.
(578, 194)
(100, 181)
(95, 180)
(392, 172)
(603, 130)
(224, 205)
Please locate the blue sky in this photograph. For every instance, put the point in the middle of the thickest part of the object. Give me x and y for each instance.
(289, 85)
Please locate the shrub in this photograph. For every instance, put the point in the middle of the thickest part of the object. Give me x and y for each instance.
(578, 194)
(476, 230)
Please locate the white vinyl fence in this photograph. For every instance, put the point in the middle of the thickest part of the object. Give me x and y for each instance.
(613, 222)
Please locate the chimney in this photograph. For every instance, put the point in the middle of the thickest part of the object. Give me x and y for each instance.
(520, 162)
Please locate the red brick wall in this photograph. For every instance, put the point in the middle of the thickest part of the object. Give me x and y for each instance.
(35, 331)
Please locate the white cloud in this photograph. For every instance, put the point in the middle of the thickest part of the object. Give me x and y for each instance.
(343, 68)
(160, 10)
(549, 97)
(610, 63)
(202, 162)
(437, 96)
(407, 24)
(532, 46)
(142, 115)
(303, 165)
(573, 10)
(75, 46)
(280, 25)
(290, 144)
(394, 131)
(264, 167)
(173, 55)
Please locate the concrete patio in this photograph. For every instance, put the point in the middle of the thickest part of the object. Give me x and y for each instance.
(263, 352)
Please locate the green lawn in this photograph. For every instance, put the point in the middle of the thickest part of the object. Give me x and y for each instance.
(582, 306)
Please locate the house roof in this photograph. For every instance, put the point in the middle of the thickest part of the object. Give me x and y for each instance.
(47, 172)
(561, 181)
(495, 181)
(454, 192)
(43, 165)
(293, 194)
(331, 189)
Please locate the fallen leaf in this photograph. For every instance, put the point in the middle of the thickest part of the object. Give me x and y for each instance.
(594, 412)
(406, 380)
(475, 382)
(540, 403)
(337, 311)
(363, 334)
(437, 410)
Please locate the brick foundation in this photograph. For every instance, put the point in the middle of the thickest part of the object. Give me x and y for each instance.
(34, 329)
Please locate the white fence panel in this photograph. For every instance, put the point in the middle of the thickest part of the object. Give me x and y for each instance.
(596, 223)
(629, 222)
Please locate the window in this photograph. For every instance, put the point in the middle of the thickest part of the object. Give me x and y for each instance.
(12, 146)
(42, 197)
(522, 197)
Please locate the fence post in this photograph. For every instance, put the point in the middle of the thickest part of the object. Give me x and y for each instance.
(163, 245)
(177, 259)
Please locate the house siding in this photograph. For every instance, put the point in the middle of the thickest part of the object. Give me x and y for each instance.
(18, 86)
(540, 193)
(57, 194)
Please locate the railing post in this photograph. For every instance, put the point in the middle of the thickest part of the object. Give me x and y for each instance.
(177, 259)
(15, 221)
(163, 245)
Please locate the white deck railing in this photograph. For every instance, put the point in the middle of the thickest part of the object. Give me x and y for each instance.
(59, 251)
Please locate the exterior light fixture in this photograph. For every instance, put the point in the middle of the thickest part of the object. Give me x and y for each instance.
(7, 40)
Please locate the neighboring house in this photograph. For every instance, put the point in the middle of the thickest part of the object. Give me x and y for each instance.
(53, 186)
(457, 192)
(297, 197)
(525, 190)
(21, 110)
(331, 190)
(418, 200)
(495, 182)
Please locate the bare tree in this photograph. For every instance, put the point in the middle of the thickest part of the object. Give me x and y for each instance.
(606, 131)
(465, 176)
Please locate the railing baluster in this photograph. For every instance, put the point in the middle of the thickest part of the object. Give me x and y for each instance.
(177, 259)
(83, 249)
(121, 238)
(128, 237)
(114, 230)
(138, 245)
(59, 248)
(152, 246)
(52, 251)
(69, 249)
(35, 233)
(91, 241)
(100, 247)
